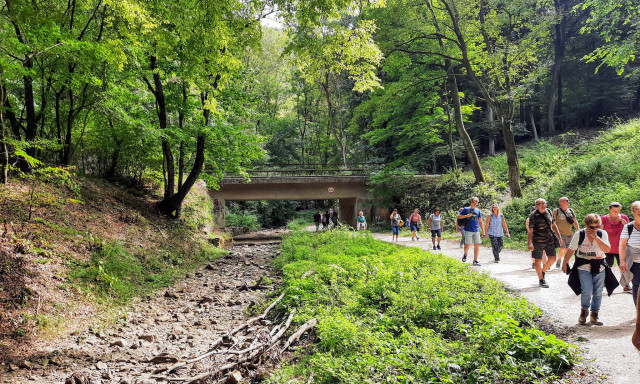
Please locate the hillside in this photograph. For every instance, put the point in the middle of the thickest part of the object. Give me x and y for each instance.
(73, 250)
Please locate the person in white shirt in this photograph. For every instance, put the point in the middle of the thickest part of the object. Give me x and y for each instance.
(630, 249)
(590, 245)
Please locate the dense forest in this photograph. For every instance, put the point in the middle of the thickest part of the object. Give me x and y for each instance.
(174, 91)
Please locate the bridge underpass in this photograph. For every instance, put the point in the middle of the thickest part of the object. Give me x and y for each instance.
(351, 192)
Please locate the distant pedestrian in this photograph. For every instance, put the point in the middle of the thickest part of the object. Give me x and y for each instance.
(629, 250)
(435, 225)
(330, 213)
(395, 224)
(495, 229)
(326, 220)
(335, 217)
(540, 236)
(362, 221)
(415, 222)
(590, 245)
(317, 219)
(565, 219)
(472, 229)
(614, 223)
(460, 227)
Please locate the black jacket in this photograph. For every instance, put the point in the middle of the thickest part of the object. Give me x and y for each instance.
(610, 281)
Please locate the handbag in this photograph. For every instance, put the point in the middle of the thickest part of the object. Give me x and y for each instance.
(569, 219)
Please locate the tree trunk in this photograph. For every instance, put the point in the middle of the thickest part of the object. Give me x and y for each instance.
(558, 45)
(492, 134)
(4, 161)
(466, 140)
(532, 120)
(512, 158)
(29, 104)
(454, 163)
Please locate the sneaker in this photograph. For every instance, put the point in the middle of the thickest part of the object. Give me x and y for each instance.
(627, 289)
(475, 263)
(438, 246)
(464, 258)
(558, 263)
(543, 284)
(533, 265)
(417, 238)
(496, 261)
(434, 247)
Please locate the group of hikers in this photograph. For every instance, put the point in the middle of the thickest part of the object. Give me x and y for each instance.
(603, 241)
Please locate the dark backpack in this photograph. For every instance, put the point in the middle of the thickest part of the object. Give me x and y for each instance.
(462, 222)
(583, 235)
(630, 228)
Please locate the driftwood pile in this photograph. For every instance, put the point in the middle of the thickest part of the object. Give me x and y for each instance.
(246, 346)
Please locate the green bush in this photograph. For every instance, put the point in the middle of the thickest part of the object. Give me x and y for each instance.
(242, 220)
(399, 315)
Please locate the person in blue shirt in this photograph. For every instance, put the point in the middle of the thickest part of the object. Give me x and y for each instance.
(472, 229)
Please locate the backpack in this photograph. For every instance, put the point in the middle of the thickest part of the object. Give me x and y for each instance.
(630, 228)
(583, 234)
(462, 222)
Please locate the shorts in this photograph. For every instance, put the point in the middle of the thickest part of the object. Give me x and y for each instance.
(395, 229)
(436, 233)
(566, 240)
(538, 248)
(472, 237)
(414, 227)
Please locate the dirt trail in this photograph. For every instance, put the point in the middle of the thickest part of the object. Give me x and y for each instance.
(607, 348)
(180, 322)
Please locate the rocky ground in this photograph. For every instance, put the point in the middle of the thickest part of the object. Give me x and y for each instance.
(608, 355)
(176, 324)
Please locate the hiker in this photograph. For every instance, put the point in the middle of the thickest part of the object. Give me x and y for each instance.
(629, 249)
(540, 236)
(544, 254)
(589, 245)
(565, 218)
(614, 223)
(460, 227)
(415, 221)
(395, 224)
(335, 217)
(472, 230)
(317, 219)
(494, 231)
(362, 221)
(326, 220)
(635, 339)
(435, 225)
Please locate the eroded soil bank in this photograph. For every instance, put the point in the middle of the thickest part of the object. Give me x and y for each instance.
(175, 324)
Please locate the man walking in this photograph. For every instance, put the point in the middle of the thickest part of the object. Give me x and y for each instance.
(540, 236)
(565, 218)
(472, 229)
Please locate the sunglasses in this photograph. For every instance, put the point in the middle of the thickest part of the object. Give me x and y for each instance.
(593, 227)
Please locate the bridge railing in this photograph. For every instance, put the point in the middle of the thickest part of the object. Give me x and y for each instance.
(313, 169)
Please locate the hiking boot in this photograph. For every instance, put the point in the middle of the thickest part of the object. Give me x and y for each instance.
(464, 258)
(434, 247)
(475, 263)
(558, 263)
(594, 319)
(496, 260)
(533, 265)
(543, 284)
(583, 316)
(417, 237)
(627, 289)
(438, 246)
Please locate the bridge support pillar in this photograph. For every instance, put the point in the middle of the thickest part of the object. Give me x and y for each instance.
(218, 213)
(348, 210)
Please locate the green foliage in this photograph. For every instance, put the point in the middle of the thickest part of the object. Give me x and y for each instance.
(394, 314)
(242, 220)
(115, 273)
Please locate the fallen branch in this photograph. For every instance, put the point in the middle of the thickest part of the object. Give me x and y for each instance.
(216, 344)
(304, 328)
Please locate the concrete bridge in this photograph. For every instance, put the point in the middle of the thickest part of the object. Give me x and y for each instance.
(351, 191)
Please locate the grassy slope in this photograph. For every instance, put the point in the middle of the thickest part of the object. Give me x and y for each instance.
(396, 315)
(87, 248)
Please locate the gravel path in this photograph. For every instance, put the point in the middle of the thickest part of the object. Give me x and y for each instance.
(607, 349)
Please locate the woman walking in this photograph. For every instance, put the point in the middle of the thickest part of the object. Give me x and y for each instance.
(395, 224)
(494, 231)
(435, 225)
(590, 245)
(415, 221)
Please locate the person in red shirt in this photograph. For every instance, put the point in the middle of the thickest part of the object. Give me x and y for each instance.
(613, 224)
